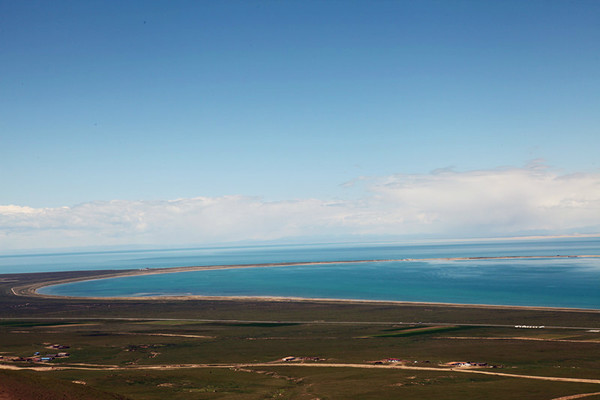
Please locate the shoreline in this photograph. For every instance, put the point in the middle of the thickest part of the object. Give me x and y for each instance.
(31, 290)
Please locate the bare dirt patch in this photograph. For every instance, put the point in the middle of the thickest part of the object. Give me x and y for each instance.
(577, 396)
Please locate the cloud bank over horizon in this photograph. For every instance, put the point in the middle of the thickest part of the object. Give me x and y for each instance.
(443, 204)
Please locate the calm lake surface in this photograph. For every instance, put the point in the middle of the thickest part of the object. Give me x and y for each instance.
(558, 282)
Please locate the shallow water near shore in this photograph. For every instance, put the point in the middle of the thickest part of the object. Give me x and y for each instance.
(545, 282)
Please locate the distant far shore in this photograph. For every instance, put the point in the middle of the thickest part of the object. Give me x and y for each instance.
(32, 289)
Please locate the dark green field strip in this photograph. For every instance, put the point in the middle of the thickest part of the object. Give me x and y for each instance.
(31, 323)
(273, 323)
(257, 324)
(425, 331)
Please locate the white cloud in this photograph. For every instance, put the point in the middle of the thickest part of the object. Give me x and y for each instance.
(501, 201)
(445, 203)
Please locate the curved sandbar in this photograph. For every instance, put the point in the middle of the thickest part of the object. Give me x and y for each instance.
(32, 289)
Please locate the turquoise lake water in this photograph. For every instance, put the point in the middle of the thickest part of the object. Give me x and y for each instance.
(552, 282)
(160, 258)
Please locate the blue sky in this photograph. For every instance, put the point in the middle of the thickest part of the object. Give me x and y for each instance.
(115, 108)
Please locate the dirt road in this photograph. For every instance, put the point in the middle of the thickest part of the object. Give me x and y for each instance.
(291, 364)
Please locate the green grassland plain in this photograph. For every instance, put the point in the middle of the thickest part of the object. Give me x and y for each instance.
(232, 349)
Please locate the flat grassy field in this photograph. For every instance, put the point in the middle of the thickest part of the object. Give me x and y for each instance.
(230, 349)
